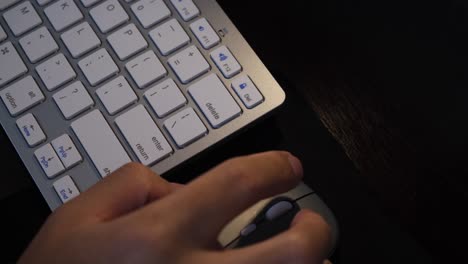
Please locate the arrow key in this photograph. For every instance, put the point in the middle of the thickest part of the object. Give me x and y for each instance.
(49, 161)
(66, 188)
(31, 130)
(66, 151)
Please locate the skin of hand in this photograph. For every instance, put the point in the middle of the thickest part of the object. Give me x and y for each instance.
(135, 216)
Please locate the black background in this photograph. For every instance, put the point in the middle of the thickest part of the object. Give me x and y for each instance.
(376, 110)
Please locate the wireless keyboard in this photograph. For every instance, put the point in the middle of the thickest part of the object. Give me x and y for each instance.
(90, 85)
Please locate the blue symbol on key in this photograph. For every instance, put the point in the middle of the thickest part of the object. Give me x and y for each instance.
(223, 57)
(201, 28)
(243, 85)
(44, 162)
(62, 152)
(64, 194)
(26, 131)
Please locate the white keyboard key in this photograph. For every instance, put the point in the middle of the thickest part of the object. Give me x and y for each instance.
(3, 34)
(66, 151)
(169, 37)
(80, 39)
(165, 98)
(6, 3)
(66, 189)
(185, 127)
(43, 2)
(145, 69)
(189, 64)
(22, 18)
(186, 9)
(144, 137)
(55, 71)
(88, 3)
(11, 64)
(73, 100)
(205, 33)
(63, 14)
(38, 44)
(247, 91)
(31, 130)
(100, 143)
(21, 96)
(116, 95)
(150, 12)
(127, 41)
(49, 161)
(214, 100)
(109, 15)
(98, 67)
(226, 62)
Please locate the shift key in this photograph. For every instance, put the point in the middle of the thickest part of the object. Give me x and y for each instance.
(143, 136)
(100, 142)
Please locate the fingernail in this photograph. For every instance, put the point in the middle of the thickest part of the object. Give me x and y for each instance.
(296, 165)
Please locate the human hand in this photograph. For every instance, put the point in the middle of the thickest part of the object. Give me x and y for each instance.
(135, 216)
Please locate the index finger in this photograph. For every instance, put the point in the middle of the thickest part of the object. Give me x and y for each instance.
(213, 199)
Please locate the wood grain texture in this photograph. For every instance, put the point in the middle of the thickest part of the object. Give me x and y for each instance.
(388, 80)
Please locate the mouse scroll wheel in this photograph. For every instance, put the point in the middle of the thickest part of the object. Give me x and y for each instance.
(278, 210)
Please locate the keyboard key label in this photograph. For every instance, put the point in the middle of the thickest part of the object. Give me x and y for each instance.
(55, 72)
(189, 64)
(22, 18)
(145, 69)
(226, 62)
(21, 96)
(186, 9)
(100, 142)
(49, 160)
(150, 12)
(165, 98)
(98, 66)
(80, 39)
(142, 134)
(214, 100)
(31, 130)
(185, 127)
(169, 37)
(66, 189)
(66, 151)
(73, 100)
(205, 33)
(116, 95)
(11, 64)
(247, 91)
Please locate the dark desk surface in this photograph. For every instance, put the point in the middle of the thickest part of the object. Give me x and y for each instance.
(376, 110)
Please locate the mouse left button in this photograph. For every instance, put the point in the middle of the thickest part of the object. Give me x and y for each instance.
(278, 210)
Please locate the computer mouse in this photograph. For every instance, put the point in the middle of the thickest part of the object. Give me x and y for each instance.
(274, 215)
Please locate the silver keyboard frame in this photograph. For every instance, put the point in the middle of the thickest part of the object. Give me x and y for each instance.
(54, 124)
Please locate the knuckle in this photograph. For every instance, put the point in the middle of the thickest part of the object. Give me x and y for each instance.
(135, 167)
(138, 172)
(280, 159)
(239, 174)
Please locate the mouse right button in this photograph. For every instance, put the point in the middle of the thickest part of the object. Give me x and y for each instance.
(314, 203)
